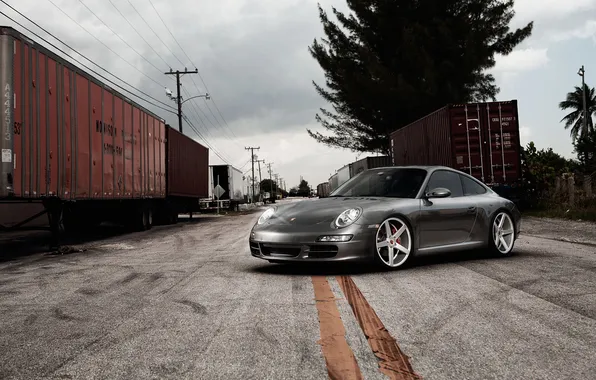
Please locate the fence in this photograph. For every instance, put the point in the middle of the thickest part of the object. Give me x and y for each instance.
(571, 189)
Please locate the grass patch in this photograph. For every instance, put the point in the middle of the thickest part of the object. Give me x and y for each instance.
(584, 210)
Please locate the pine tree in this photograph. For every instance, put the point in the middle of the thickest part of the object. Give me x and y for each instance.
(391, 62)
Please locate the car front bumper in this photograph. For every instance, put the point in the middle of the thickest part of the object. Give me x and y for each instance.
(298, 246)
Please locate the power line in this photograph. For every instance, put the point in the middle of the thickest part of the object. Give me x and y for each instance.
(92, 35)
(196, 114)
(139, 34)
(205, 141)
(178, 84)
(242, 167)
(214, 104)
(99, 66)
(117, 35)
(252, 158)
(156, 35)
(194, 103)
(190, 60)
(79, 62)
(169, 31)
(179, 73)
(209, 108)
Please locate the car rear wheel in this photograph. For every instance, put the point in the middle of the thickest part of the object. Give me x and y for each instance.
(502, 235)
(394, 245)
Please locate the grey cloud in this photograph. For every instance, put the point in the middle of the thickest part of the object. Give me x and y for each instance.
(264, 73)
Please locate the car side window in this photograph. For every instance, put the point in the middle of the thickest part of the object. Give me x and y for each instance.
(471, 187)
(448, 180)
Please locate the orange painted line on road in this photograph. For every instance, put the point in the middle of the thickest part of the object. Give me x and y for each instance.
(339, 358)
(392, 361)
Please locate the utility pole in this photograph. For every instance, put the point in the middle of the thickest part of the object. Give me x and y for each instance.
(260, 178)
(252, 160)
(178, 73)
(582, 73)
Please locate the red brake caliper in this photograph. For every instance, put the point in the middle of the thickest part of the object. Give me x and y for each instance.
(393, 232)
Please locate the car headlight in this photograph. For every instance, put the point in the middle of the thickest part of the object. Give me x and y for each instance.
(266, 216)
(348, 217)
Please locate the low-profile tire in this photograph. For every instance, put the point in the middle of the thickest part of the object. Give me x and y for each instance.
(394, 243)
(501, 235)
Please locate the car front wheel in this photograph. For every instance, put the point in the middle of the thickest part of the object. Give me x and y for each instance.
(394, 243)
(502, 234)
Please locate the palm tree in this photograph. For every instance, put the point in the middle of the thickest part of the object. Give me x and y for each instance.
(575, 102)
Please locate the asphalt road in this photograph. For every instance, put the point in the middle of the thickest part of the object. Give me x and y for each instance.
(188, 301)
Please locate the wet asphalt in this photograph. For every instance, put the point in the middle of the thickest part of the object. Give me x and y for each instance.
(189, 302)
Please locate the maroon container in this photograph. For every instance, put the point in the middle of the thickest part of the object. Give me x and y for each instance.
(481, 139)
(188, 166)
(66, 134)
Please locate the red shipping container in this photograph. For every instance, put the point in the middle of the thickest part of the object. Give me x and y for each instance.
(481, 139)
(188, 166)
(65, 134)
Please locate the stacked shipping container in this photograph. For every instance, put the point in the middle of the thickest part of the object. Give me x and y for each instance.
(481, 139)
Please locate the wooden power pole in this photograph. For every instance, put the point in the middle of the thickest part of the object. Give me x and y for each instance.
(178, 73)
(252, 160)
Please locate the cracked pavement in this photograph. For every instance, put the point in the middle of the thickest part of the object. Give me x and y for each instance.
(189, 301)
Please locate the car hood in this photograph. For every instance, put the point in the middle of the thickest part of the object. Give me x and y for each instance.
(319, 211)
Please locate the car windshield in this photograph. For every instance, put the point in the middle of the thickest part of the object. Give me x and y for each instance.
(387, 182)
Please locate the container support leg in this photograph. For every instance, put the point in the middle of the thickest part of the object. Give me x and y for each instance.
(55, 209)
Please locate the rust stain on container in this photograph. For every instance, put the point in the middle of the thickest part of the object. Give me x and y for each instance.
(340, 360)
(392, 361)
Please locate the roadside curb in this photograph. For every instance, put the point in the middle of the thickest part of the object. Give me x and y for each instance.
(566, 240)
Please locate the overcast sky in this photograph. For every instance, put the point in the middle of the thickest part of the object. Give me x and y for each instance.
(252, 57)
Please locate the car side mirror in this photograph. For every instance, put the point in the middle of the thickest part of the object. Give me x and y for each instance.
(439, 192)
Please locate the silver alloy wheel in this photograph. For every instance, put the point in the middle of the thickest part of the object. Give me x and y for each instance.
(503, 233)
(393, 242)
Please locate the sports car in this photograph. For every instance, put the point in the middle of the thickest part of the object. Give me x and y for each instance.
(389, 214)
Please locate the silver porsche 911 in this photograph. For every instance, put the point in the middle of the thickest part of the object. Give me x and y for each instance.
(389, 214)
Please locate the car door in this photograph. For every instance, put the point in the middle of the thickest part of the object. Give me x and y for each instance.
(475, 191)
(446, 221)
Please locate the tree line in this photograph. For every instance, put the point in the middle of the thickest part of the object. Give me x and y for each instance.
(389, 62)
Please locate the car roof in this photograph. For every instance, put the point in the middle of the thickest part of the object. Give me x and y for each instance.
(429, 168)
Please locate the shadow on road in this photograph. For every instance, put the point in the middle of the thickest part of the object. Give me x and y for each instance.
(337, 269)
(18, 244)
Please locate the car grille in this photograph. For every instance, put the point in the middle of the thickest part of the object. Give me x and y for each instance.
(319, 251)
(280, 250)
(322, 251)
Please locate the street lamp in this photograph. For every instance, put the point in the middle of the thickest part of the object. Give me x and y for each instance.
(178, 99)
(582, 73)
(206, 96)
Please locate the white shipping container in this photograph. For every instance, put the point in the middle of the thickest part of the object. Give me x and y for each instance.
(343, 175)
(236, 184)
(230, 179)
